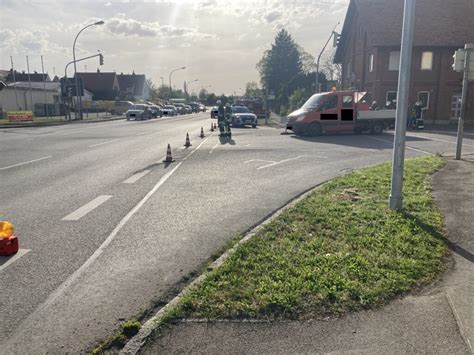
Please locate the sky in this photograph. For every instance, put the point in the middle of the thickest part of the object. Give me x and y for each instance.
(218, 41)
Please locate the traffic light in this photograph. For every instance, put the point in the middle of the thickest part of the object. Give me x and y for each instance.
(459, 57)
(336, 39)
(101, 59)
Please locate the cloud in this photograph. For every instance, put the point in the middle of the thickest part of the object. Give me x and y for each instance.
(27, 42)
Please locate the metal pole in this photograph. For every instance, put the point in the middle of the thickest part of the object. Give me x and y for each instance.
(396, 194)
(14, 83)
(29, 84)
(319, 59)
(465, 84)
(44, 88)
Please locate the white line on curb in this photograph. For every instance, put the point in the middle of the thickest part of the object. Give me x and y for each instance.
(98, 144)
(135, 177)
(26, 162)
(406, 146)
(82, 211)
(13, 258)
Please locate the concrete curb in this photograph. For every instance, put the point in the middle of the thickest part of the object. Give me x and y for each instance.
(134, 345)
(58, 123)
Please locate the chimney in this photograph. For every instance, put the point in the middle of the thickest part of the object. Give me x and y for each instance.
(98, 70)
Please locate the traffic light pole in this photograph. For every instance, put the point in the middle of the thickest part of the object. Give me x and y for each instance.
(465, 83)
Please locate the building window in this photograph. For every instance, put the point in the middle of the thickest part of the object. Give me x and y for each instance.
(424, 97)
(394, 61)
(371, 63)
(456, 106)
(391, 98)
(348, 70)
(426, 60)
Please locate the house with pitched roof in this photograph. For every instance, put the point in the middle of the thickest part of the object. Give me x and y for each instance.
(369, 51)
(133, 87)
(20, 77)
(103, 86)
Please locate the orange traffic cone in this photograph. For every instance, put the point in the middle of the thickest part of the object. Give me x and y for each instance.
(8, 241)
(169, 158)
(212, 127)
(188, 142)
(202, 133)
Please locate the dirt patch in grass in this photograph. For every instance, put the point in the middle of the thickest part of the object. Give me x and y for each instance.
(339, 249)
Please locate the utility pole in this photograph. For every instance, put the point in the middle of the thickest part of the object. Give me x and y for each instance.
(468, 48)
(14, 83)
(396, 194)
(319, 57)
(44, 89)
(29, 84)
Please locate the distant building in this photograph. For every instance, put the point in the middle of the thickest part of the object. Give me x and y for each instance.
(103, 86)
(34, 77)
(17, 96)
(133, 87)
(369, 51)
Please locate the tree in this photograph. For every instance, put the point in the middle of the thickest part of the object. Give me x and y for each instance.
(281, 63)
(154, 93)
(308, 63)
(252, 90)
(332, 70)
(203, 94)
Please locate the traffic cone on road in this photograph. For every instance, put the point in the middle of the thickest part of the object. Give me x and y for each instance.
(215, 125)
(188, 142)
(169, 158)
(202, 133)
(212, 127)
(8, 241)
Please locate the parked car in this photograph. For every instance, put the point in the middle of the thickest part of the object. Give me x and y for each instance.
(188, 109)
(120, 107)
(202, 108)
(194, 106)
(180, 108)
(169, 110)
(242, 116)
(156, 110)
(139, 112)
(214, 112)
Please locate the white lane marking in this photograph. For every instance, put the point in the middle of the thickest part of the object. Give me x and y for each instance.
(97, 144)
(26, 162)
(286, 160)
(445, 132)
(265, 161)
(439, 140)
(406, 146)
(82, 211)
(212, 149)
(13, 258)
(70, 280)
(135, 177)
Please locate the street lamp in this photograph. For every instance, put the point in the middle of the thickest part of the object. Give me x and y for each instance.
(171, 88)
(192, 81)
(78, 97)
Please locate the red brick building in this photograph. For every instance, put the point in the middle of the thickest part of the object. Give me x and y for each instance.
(369, 51)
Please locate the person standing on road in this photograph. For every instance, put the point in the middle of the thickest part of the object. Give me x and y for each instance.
(220, 115)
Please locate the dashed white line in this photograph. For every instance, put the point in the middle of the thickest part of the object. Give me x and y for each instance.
(282, 161)
(82, 211)
(98, 144)
(406, 146)
(13, 258)
(26, 162)
(212, 149)
(436, 139)
(135, 177)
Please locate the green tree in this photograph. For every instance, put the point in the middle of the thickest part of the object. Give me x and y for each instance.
(153, 90)
(281, 63)
(252, 90)
(203, 94)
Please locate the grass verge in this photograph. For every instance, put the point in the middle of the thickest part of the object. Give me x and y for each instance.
(119, 339)
(339, 249)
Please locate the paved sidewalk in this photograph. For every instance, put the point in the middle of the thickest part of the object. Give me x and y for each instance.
(439, 320)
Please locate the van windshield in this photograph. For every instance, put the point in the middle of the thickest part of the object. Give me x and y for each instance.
(313, 101)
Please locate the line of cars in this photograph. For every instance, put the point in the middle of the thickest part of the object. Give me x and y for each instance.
(149, 110)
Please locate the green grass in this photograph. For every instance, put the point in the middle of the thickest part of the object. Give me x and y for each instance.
(119, 339)
(340, 249)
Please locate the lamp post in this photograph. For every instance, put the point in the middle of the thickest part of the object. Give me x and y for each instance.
(78, 97)
(319, 58)
(192, 81)
(171, 88)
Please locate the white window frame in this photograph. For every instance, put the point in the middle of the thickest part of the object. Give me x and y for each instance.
(394, 64)
(427, 101)
(371, 63)
(428, 53)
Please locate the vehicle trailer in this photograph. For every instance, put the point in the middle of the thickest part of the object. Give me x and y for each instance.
(339, 111)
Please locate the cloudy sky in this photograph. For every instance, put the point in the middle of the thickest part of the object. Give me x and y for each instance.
(218, 41)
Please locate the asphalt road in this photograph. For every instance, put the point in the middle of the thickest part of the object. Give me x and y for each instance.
(106, 229)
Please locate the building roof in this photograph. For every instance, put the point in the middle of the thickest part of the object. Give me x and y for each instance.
(133, 83)
(438, 23)
(34, 77)
(98, 81)
(50, 86)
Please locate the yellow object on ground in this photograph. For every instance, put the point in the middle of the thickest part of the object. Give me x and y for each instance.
(6, 230)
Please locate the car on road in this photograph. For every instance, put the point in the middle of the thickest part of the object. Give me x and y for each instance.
(194, 106)
(242, 116)
(180, 108)
(139, 112)
(156, 110)
(188, 109)
(202, 108)
(169, 110)
(214, 112)
(120, 107)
